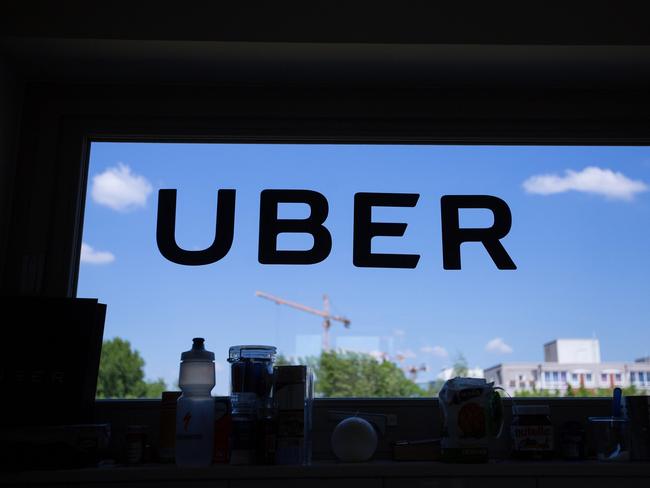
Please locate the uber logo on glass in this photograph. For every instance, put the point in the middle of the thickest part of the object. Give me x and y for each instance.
(364, 229)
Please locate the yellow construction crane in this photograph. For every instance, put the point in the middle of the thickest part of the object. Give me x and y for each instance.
(325, 313)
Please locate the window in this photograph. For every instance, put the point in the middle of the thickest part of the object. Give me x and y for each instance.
(603, 377)
(419, 319)
(642, 377)
(632, 377)
(617, 377)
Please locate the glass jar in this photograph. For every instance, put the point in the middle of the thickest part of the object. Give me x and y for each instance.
(531, 432)
(251, 380)
(251, 370)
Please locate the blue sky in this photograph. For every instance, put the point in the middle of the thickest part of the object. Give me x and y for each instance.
(579, 238)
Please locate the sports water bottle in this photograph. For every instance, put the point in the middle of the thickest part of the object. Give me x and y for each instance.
(195, 407)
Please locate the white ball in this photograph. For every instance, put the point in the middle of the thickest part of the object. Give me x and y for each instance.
(354, 440)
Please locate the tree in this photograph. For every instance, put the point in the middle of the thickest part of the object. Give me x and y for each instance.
(121, 373)
(581, 391)
(354, 374)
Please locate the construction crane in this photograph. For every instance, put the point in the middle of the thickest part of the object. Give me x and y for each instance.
(325, 313)
(413, 371)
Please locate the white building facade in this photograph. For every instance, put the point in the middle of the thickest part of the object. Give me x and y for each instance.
(570, 362)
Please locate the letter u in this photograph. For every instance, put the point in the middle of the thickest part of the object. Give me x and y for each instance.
(166, 230)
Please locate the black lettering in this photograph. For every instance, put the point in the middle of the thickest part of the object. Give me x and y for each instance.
(453, 236)
(166, 230)
(365, 229)
(271, 226)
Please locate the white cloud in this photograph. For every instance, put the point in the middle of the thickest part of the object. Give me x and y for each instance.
(90, 256)
(437, 351)
(120, 189)
(399, 332)
(605, 182)
(498, 345)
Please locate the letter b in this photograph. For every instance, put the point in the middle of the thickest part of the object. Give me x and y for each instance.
(271, 226)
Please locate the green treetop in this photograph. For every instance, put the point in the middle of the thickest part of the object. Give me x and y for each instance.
(121, 373)
(353, 374)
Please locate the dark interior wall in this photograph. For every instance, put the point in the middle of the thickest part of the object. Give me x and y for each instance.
(11, 95)
(578, 22)
(412, 68)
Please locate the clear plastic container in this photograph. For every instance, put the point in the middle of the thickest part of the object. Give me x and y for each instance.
(195, 407)
(610, 437)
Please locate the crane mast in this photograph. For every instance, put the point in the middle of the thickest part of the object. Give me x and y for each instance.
(325, 314)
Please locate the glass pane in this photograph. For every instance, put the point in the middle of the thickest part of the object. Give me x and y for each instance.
(579, 239)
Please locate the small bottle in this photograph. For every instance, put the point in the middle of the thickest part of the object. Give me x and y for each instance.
(195, 407)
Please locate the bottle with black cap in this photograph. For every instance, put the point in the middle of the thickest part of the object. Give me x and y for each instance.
(195, 407)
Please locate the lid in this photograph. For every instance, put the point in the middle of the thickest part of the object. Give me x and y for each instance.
(198, 352)
(235, 353)
(531, 410)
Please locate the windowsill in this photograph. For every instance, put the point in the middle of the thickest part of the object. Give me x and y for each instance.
(375, 469)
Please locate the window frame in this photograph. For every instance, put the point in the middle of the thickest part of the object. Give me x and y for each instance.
(60, 124)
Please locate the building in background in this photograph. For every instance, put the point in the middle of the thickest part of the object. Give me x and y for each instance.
(570, 362)
(582, 351)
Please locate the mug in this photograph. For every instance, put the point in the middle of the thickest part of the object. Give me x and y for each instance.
(473, 414)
